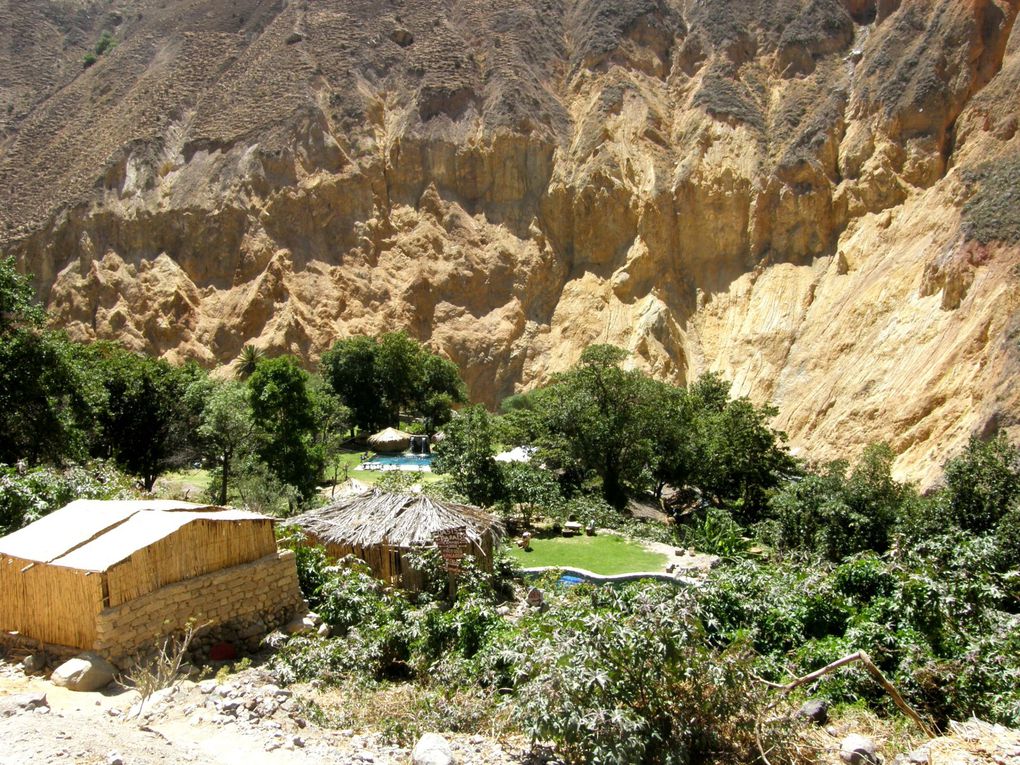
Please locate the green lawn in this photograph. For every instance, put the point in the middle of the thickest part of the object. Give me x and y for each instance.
(603, 554)
(179, 480)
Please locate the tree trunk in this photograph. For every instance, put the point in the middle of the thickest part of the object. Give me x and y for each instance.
(224, 478)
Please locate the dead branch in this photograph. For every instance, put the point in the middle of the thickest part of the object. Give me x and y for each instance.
(863, 658)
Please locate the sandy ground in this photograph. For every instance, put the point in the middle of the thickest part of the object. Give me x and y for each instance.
(190, 726)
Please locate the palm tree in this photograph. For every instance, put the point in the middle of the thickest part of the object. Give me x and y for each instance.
(248, 359)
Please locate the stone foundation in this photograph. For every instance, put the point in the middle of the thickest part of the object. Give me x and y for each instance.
(237, 605)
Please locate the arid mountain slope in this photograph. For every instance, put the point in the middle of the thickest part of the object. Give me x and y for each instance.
(818, 198)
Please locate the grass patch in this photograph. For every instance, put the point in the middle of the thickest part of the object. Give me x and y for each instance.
(194, 483)
(603, 554)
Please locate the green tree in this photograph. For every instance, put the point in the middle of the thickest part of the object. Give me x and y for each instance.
(724, 449)
(226, 430)
(526, 489)
(466, 455)
(46, 399)
(18, 306)
(398, 372)
(837, 515)
(349, 368)
(248, 360)
(983, 483)
(332, 420)
(597, 419)
(378, 379)
(282, 407)
(439, 387)
(146, 423)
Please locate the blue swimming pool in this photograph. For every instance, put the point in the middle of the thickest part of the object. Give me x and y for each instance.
(569, 580)
(418, 461)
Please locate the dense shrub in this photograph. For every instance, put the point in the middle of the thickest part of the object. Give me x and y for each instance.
(983, 484)
(27, 495)
(626, 678)
(714, 531)
(926, 617)
(835, 515)
(311, 561)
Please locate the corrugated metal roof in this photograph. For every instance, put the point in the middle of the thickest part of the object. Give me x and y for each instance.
(95, 534)
(141, 530)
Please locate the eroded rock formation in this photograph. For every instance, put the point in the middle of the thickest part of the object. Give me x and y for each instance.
(817, 198)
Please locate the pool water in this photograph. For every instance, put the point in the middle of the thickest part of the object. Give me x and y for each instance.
(415, 460)
(569, 580)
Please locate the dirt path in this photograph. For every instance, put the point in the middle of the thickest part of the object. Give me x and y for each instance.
(244, 720)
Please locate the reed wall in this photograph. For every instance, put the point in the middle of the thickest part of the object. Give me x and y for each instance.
(200, 547)
(48, 603)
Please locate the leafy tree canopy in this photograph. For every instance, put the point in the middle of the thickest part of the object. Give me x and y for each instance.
(46, 399)
(226, 430)
(466, 455)
(378, 378)
(18, 306)
(146, 423)
(282, 407)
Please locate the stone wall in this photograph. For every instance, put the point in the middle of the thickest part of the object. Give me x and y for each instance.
(236, 605)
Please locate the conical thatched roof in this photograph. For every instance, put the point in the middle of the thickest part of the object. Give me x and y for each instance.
(390, 440)
(396, 520)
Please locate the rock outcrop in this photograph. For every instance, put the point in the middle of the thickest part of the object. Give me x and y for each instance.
(817, 198)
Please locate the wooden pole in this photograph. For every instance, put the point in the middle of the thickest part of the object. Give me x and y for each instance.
(863, 658)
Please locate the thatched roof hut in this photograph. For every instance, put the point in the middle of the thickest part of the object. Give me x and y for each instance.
(381, 527)
(73, 571)
(390, 440)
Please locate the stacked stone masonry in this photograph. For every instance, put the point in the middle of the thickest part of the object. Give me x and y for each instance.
(238, 605)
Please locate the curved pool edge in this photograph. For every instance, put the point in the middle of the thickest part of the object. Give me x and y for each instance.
(591, 576)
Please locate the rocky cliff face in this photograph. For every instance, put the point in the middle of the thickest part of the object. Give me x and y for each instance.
(818, 198)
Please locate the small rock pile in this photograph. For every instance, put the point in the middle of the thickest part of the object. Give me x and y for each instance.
(24, 703)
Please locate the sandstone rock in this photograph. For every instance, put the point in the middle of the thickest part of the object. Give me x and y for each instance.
(514, 199)
(856, 749)
(85, 672)
(432, 749)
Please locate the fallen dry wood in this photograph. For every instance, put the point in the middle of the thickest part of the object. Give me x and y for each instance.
(863, 658)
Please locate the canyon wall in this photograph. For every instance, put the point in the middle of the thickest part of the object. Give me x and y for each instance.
(819, 199)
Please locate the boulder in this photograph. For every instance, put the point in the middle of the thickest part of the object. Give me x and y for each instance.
(815, 710)
(858, 750)
(432, 749)
(33, 663)
(302, 626)
(85, 672)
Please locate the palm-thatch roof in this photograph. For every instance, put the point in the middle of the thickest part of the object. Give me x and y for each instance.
(390, 440)
(394, 520)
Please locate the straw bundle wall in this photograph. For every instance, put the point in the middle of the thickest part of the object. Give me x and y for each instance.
(379, 528)
(197, 548)
(49, 603)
